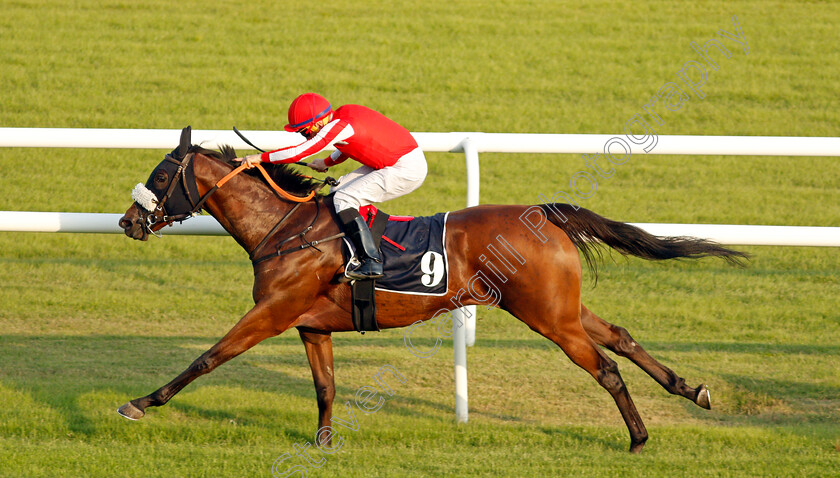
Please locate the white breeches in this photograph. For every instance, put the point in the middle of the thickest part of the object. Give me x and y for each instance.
(366, 185)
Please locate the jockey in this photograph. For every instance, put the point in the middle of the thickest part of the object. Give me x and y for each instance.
(392, 164)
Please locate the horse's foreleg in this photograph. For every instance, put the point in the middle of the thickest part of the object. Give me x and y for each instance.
(320, 354)
(256, 326)
(617, 339)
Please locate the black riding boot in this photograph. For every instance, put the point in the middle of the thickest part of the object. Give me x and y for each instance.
(358, 232)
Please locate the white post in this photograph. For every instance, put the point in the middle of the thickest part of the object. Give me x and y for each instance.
(465, 319)
(473, 182)
(458, 343)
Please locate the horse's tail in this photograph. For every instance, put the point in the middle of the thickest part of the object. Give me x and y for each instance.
(587, 229)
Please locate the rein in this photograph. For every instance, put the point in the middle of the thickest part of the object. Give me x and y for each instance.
(329, 180)
(180, 176)
(268, 179)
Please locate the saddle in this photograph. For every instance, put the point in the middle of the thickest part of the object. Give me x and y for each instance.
(414, 261)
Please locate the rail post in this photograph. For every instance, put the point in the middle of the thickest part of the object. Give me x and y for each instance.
(473, 184)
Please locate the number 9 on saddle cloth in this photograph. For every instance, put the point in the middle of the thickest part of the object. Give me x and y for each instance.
(414, 260)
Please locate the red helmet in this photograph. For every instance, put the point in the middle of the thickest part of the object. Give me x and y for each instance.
(307, 109)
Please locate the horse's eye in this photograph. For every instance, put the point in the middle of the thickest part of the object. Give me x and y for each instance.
(161, 177)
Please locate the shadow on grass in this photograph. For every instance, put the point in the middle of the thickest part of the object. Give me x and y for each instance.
(744, 348)
(785, 389)
(540, 343)
(58, 370)
(585, 437)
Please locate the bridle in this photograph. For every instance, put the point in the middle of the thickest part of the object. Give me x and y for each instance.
(158, 214)
(190, 204)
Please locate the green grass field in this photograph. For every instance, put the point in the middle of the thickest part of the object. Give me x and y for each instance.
(89, 321)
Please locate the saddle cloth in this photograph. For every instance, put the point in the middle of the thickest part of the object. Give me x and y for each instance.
(413, 253)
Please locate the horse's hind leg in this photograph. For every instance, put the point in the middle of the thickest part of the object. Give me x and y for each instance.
(567, 332)
(320, 354)
(617, 339)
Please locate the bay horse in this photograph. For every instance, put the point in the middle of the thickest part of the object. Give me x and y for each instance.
(296, 285)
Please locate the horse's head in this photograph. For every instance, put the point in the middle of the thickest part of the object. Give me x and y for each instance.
(169, 195)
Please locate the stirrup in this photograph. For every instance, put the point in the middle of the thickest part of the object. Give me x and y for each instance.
(356, 270)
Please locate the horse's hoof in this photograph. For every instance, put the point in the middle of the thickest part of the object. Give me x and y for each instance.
(131, 412)
(704, 399)
(637, 447)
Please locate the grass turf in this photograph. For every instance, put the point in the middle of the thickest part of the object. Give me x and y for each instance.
(90, 321)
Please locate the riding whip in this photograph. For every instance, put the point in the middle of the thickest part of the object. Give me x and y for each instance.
(242, 136)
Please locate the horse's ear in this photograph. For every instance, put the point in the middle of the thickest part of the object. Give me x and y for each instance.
(186, 142)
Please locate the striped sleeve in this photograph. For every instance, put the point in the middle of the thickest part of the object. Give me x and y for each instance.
(337, 157)
(334, 131)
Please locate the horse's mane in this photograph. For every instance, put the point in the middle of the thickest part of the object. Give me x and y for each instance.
(284, 175)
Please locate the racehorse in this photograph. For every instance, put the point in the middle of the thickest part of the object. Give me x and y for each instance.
(297, 283)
